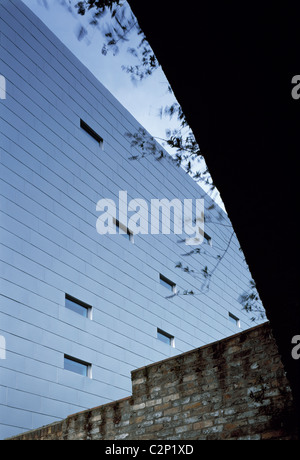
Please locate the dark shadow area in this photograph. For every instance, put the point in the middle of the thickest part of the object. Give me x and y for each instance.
(231, 65)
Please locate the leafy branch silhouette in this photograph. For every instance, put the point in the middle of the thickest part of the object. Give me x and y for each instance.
(116, 21)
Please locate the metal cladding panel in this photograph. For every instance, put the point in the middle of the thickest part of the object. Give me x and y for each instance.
(52, 176)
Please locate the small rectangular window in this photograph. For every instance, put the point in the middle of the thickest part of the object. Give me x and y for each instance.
(167, 283)
(91, 132)
(234, 319)
(77, 366)
(165, 337)
(77, 306)
(125, 231)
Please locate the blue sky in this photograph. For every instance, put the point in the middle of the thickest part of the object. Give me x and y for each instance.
(143, 99)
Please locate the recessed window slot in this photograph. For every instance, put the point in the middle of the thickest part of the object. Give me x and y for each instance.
(91, 132)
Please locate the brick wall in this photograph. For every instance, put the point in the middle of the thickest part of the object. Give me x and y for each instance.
(232, 389)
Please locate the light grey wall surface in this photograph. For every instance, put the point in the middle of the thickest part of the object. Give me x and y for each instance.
(52, 176)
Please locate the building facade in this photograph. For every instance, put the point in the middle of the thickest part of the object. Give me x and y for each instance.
(183, 398)
(81, 308)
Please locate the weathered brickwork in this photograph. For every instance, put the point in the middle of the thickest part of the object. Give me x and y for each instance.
(232, 389)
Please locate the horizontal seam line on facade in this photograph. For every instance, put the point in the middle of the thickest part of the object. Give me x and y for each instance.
(52, 270)
(197, 350)
(201, 189)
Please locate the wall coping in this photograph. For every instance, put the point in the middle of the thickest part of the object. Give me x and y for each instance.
(128, 399)
(196, 350)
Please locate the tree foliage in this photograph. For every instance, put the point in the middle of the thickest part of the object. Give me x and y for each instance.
(186, 151)
(120, 23)
(251, 302)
